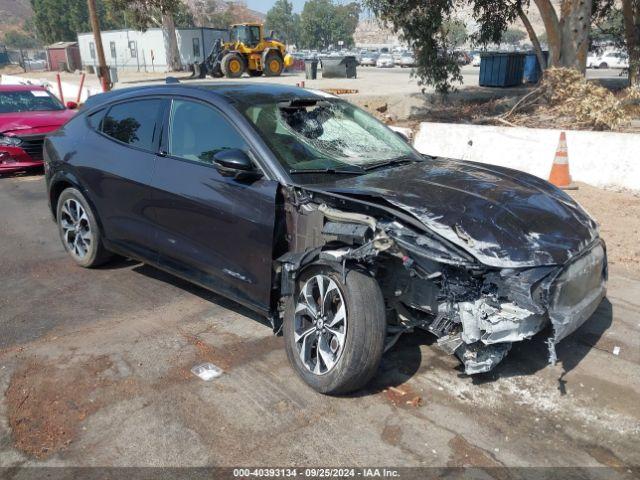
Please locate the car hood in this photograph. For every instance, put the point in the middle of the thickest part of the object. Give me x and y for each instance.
(504, 218)
(31, 123)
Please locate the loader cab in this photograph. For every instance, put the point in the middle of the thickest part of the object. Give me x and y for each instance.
(248, 34)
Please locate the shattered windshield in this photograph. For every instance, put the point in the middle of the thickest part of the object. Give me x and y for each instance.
(28, 101)
(312, 135)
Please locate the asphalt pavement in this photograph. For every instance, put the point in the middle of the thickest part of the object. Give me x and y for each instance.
(95, 371)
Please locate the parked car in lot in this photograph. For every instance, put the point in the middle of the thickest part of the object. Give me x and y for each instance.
(27, 113)
(369, 59)
(311, 212)
(385, 61)
(476, 60)
(613, 60)
(462, 58)
(592, 59)
(407, 60)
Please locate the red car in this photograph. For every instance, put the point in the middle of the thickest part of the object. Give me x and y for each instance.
(27, 113)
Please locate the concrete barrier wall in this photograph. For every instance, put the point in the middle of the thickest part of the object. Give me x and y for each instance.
(602, 159)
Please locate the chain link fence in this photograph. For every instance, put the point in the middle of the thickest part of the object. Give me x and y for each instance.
(30, 60)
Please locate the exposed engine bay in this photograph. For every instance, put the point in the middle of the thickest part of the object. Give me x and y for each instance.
(476, 311)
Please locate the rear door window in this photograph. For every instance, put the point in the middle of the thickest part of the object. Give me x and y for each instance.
(135, 123)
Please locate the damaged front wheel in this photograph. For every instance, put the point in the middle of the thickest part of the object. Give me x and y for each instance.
(335, 329)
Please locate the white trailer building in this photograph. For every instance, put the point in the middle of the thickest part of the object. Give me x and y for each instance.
(147, 51)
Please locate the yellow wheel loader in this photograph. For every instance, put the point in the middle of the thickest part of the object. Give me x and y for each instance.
(247, 51)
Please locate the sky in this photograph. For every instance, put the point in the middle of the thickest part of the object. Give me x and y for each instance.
(264, 5)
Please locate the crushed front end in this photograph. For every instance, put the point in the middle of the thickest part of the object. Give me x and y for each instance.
(476, 311)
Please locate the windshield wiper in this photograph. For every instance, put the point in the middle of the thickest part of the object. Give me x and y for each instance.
(392, 162)
(327, 170)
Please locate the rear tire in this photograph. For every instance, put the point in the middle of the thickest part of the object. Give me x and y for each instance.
(273, 65)
(336, 357)
(604, 65)
(233, 65)
(79, 230)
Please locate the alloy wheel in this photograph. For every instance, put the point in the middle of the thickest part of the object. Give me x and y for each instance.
(320, 324)
(76, 229)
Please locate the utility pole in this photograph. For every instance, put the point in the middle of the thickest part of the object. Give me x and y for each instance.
(103, 70)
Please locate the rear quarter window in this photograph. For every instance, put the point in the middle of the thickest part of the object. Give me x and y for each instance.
(136, 123)
(95, 119)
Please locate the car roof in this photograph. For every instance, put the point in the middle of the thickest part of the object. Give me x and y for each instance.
(20, 88)
(242, 93)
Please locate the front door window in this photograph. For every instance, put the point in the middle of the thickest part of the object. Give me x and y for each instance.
(197, 132)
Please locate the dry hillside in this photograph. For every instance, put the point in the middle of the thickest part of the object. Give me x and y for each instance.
(13, 13)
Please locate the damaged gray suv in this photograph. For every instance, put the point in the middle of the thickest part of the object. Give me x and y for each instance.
(309, 211)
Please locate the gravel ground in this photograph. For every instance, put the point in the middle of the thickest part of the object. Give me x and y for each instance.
(94, 371)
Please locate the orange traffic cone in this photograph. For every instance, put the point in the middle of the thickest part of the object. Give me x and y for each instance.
(560, 175)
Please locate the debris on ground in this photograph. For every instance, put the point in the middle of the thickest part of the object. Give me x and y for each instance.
(340, 91)
(403, 396)
(206, 371)
(565, 99)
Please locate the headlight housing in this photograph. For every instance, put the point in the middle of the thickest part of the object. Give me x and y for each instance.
(8, 141)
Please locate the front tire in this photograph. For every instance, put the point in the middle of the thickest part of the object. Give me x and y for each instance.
(334, 331)
(79, 230)
(273, 65)
(233, 65)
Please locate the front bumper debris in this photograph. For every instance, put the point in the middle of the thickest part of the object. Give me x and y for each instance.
(572, 295)
(576, 294)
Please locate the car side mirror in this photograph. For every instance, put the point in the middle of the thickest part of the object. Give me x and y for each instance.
(235, 162)
(72, 105)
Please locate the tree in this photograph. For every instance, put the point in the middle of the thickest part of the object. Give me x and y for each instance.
(455, 32)
(536, 40)
(154, 13)
(347, 18)
(609, 27)
(286, 23)
(323, 23)
(513, 36)
(317, 24)
(631, 14)
(620, 22)
(20, 40)
(61, 20)
(420, 23)
(567, 34)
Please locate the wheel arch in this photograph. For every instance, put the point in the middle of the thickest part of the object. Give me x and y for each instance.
(59, 184)
(268, 51)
